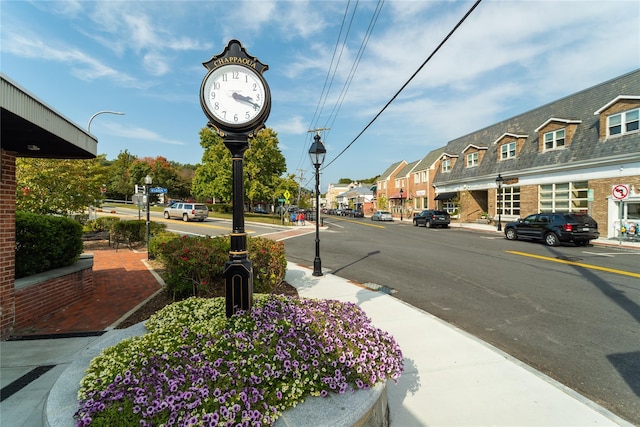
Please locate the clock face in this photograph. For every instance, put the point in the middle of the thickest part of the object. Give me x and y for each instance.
(234, 95)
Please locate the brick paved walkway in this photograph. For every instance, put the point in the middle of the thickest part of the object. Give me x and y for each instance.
(122, 281)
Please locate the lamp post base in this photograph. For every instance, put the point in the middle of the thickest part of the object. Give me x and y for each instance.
(238, 286)
(317, 267)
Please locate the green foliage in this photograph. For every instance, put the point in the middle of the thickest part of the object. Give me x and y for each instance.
(134, 231)
(104, 223)
(159, 240)
(45, 242)
(194, 265)
(263, 167)
(61, 187)
(269, 263)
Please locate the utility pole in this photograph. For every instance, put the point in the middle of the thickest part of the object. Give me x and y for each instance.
(300, 178)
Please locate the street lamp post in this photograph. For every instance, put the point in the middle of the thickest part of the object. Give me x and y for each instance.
(499, 182)
(119, 113)
(401, 203)
(317, 153)
(147, 184)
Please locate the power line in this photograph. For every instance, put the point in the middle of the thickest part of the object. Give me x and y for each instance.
(406, 83)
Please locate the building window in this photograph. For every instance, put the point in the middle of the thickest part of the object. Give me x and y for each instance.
(449, 206)
(509, 201)
(425, 176)
(568, 196)
(472, 159)
(508, 151)
(624, 122)
(416, 178)
(446, 165)
(554, 139)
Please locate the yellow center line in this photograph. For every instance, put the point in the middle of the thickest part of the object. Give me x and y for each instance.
(577, 264)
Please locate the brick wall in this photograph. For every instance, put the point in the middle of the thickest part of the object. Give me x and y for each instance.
(38, 300)
(7, 239)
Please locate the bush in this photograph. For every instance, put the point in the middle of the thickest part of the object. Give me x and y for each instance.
(104, 223)
(158, 241)
(134, 231)
(45, 242)
(225, 208)
(194, 266)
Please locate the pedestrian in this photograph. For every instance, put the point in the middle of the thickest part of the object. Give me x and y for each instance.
(293, 218)
(302, 218)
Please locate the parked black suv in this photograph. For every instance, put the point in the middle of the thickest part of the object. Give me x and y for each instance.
(430, 218)
(553, 228)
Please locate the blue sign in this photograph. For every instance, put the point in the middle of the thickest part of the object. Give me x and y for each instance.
(157, 190)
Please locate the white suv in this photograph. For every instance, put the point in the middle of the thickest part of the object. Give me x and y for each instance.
(187, 211)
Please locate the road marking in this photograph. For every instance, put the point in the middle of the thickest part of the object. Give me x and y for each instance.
(610, 254)
(357, 222)
(577, 264)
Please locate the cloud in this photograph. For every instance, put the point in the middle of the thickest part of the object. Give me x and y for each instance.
(293, 125)
(132, 132)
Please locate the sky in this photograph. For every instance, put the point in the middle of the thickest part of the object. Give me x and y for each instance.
(332, 64)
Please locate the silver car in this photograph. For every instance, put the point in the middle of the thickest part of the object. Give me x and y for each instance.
(382, 216)
(187, 211)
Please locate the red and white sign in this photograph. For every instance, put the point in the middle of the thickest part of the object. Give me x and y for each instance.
(620, 191)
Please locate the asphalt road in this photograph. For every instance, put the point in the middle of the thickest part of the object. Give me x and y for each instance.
(576, 322)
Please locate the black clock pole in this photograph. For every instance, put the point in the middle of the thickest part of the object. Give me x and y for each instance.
(237, 108)
(238, 271)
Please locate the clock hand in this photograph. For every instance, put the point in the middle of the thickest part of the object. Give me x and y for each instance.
(247, 99)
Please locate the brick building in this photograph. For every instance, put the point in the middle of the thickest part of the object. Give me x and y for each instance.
(567, 155)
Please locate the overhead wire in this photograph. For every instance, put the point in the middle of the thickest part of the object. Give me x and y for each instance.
(460, 22)
(345, 88)
(328, 77)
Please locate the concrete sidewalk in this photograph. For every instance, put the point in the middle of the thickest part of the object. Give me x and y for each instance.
(452, 378)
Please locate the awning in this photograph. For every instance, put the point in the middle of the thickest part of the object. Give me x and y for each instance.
(446, 196)
(397, 196)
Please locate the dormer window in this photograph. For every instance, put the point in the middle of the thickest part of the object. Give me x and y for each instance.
(508, 151)
(472, 159)
(446, 165)
(625, 122)
(554, 139)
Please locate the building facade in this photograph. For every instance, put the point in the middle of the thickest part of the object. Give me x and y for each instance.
(580, 153)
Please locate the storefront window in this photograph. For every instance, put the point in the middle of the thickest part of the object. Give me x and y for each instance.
(510, 203)
(568, 196)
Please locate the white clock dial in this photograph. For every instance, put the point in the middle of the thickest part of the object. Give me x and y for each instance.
(234, 95)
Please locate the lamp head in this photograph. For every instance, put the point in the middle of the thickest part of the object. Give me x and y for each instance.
(499, 181)
(148, 180)
(317, 151)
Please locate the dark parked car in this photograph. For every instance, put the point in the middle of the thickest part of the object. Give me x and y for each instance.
(357, 214)
(260, 210)
(553, 228)
(431, 218)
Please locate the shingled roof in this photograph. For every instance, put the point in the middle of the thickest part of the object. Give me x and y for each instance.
(586, 146)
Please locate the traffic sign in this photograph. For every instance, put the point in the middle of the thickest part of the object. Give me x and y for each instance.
(157, 190)
(286, 194)
(620, 191)
(281, 200)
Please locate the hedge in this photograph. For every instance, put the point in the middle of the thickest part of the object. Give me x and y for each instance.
(45, 242)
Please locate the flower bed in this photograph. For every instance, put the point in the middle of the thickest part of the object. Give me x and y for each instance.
(197, 367)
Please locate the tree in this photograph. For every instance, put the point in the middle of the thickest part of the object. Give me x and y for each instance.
(213, 177)
(120, 184)
(263, 167)
(52, 186)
